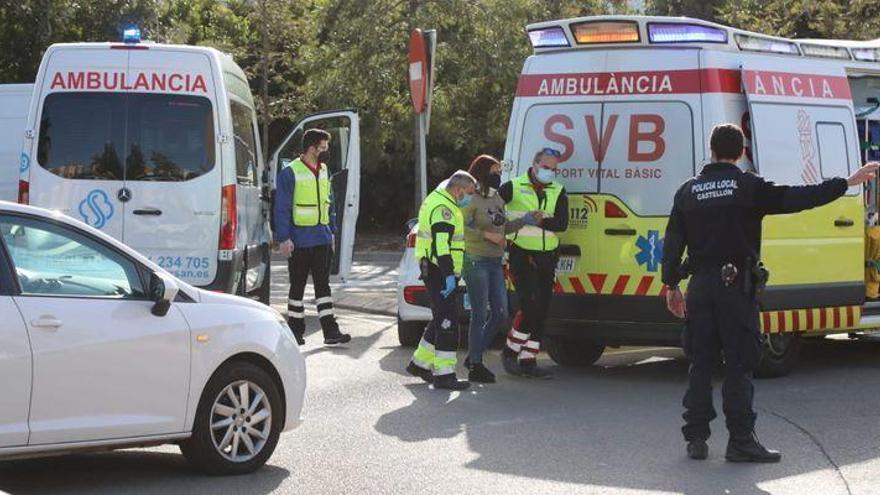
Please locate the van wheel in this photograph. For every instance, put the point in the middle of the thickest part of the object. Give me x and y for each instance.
(567, 351)
(238, 421)
(779, 355)
(409, 333)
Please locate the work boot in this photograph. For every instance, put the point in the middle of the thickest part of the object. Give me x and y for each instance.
(478, 373)
(416, 370)
(337, 338)
(300, 340)
(530, 369)
(697, 449)
(450, 382)
(749, 449)
(510, 363)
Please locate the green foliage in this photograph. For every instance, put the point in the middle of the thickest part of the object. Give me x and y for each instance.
(326, 54)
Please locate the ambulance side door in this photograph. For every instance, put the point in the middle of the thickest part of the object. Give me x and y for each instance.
(803, 132)
(344, 162)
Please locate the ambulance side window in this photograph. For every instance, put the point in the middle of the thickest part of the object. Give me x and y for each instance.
(833, 158)
(245, 144)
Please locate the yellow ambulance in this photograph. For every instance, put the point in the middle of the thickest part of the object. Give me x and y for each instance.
(630, 102)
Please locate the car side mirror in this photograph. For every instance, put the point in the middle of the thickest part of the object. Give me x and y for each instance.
(163, 290)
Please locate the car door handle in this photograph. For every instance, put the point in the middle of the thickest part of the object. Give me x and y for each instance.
(620, 231)
(47, 322)
(148, 211)
(843, 222)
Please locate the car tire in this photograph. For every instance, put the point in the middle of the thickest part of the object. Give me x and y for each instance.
(409, 333)
(203, 449)
(779, 355)
(578, 353)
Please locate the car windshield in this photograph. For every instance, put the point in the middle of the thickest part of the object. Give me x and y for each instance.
(121, 136)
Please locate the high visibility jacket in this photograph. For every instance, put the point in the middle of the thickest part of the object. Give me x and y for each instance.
(441, 232)
(311, 197)
(524, 199)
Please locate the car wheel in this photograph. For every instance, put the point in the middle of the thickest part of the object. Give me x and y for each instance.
(238, 421)
(409, 333)
(567, 351)
(779, 355)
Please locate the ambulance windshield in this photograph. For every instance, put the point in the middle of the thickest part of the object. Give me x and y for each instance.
(125, 136)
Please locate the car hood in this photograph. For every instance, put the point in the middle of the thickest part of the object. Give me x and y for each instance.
(208, 297)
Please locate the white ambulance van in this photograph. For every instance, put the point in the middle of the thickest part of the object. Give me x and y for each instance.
(14, 102)
(157, 145)
(630, 103)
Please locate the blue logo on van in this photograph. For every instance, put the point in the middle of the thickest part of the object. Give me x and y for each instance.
(650, 250)
(24, 163)
(96, 209)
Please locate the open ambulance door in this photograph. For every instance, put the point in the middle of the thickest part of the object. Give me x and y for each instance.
(802, 132)
(344, 162)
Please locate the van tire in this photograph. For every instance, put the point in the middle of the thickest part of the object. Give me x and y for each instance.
(779, 355)
(577, 353)
(409, 333)
(200, 448)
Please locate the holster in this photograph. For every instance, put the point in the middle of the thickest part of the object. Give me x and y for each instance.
(756, 281)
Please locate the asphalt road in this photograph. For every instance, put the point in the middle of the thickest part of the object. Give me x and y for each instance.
(614, 428)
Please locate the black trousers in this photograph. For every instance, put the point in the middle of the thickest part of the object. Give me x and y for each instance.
(720, 321)
(302, 263)
(533, 275)
(442, 331)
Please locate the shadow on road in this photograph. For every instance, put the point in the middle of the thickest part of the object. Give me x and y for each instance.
(619, 426)
(137, 471)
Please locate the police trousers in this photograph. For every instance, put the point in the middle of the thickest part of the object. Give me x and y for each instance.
(436, 350)
(721, 321)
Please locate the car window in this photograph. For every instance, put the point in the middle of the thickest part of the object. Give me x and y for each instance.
(119, 136)
(245, 144)
(57, 261)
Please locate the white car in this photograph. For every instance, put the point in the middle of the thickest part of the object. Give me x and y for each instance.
(101, 349)
(413, 301)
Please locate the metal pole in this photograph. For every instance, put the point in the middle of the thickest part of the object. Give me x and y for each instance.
(423, 157)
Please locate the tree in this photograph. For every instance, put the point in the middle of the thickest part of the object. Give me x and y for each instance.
(835, 19)
(699, 9)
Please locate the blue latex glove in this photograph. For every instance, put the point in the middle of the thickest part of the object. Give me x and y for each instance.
(529, 219)
(450, 286)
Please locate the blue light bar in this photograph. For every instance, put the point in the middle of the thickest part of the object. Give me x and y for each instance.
(548, 37)
(867, 54)
(684, 33)
(131, 34)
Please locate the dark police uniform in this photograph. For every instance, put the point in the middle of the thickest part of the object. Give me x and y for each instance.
(717, 217)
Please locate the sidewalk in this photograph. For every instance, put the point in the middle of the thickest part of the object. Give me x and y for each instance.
(370, 288)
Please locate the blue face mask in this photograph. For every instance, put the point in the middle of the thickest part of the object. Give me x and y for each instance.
(545, 175)
(465, 201)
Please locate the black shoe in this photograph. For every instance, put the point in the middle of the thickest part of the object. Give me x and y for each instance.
(300, 340)
(697, 449)
(510, 363)
(416, 370)
(339, 338)
(749, 449)
(450, 382)
(530, 369)
(479, 373)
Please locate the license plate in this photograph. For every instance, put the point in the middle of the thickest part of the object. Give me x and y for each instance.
(565, 264)
(466, 302)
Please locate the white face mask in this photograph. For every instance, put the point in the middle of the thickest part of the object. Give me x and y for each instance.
(544, 175)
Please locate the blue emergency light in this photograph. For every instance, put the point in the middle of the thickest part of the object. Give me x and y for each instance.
(131, 34)
(685, 33)
(548, 37)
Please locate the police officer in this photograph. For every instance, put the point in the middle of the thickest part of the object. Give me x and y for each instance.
(440, 251)
(532, 257)
(717, 217)
(305, 225)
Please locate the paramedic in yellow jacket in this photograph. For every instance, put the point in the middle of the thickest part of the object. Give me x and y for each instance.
(440, 251)
(532, 257)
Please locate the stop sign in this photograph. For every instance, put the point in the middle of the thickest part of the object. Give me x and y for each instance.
(418, 70)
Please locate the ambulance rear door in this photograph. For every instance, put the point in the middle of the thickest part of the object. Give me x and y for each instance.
(344, 163)
(78, 113)
(803, 131)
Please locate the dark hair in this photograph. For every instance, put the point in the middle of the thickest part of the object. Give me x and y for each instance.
(313, 137)
(726, 142)
(480, 168)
